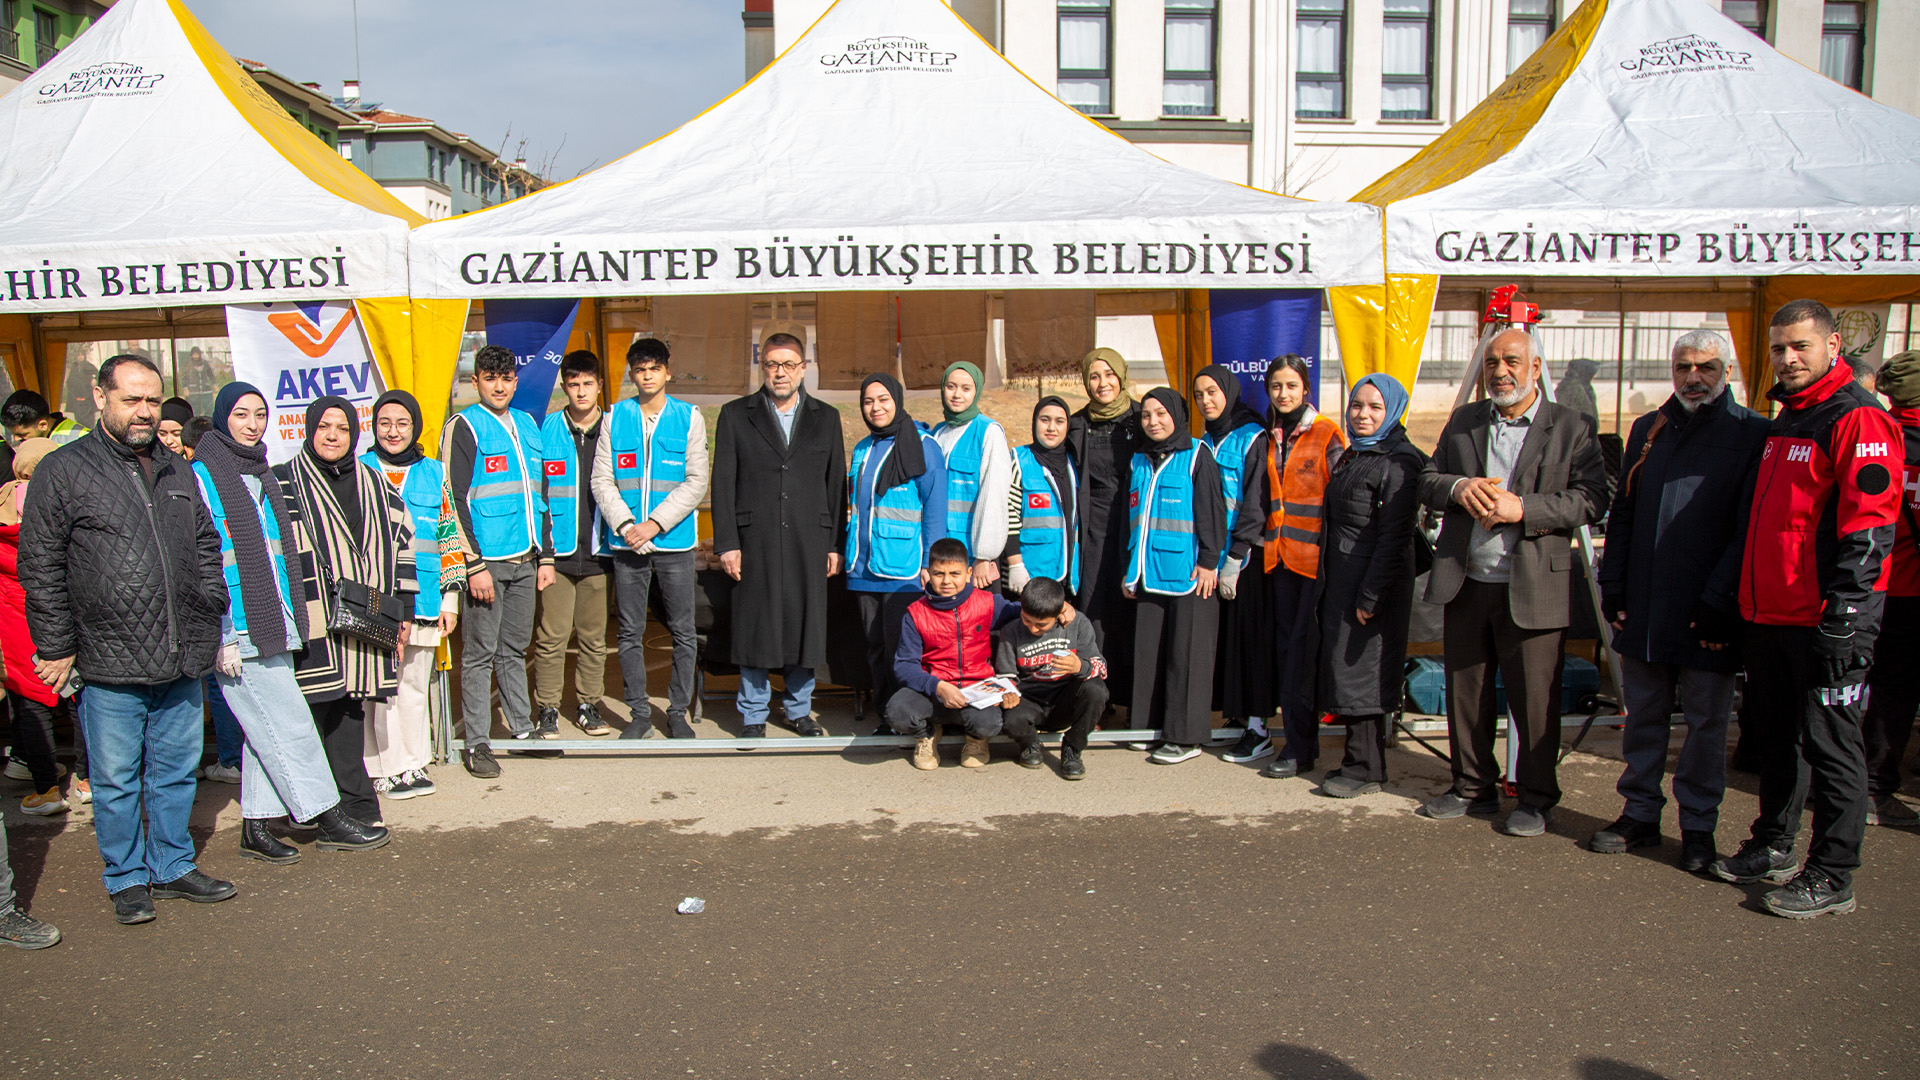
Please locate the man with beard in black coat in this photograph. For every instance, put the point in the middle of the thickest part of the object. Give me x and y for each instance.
(779, 509)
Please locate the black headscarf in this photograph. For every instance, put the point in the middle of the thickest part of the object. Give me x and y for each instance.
(177, 409)
(1237, 414)
(1182, 437)
(226, 461)
(1284, 422)
(413, 452)
(1057, 461)
(342, 476)
(907, 461)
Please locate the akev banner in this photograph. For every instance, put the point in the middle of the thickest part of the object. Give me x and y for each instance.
(1678, 143)
(297, 353)
(536, 331)
(890, 148)
(1251, 327)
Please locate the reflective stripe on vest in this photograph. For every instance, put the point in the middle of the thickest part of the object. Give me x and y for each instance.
(420, 487)
(1163, 550)
(504, 496)
(647, 471)
(1047, 547)
(1231, 456)
(890, 537)
(1292, 534)
(963, 479)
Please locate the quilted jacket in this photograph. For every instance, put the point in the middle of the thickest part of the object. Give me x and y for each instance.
(121, 573)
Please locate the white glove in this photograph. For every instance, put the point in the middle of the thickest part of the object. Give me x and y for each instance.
(1017, 576)
(228, 662)
(1230, 577)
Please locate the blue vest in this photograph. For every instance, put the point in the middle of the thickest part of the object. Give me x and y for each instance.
(648, 472)
(1047, 547)
(230, 565)
(963, 479)
(891, 532)
(504, 495)
(1162, 547)
(563, 484)
(1230, 454)
(420, 489)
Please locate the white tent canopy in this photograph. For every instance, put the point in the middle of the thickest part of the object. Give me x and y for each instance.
(1679, 144)
(891, 148)
(143, 168)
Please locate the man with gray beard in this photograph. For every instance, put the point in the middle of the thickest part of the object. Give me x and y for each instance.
(1669, 584)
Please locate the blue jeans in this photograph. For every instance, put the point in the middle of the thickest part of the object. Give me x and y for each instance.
(227, 737)
(284, 767)
(756, 692)
(143, 744)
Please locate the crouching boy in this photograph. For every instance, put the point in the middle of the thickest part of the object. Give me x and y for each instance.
(946, 644)
(1063, 679)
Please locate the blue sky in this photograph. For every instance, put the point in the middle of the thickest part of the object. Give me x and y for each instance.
(583, 81)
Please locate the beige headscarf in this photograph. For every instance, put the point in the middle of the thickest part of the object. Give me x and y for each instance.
(1118, 407)
(13, 492)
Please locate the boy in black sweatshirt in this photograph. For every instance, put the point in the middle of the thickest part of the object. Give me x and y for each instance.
(1063, 679)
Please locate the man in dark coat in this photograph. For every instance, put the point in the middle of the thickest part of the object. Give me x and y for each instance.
(779, 509)
(121, 567)
(1669, 586)
(1515, 476)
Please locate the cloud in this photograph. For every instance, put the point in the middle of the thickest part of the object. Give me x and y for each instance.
(584, 82)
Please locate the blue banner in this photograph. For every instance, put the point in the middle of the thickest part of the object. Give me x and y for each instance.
(536, 331)
(1252, 326)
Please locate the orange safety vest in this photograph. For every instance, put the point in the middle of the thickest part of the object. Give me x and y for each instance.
(1293, 500)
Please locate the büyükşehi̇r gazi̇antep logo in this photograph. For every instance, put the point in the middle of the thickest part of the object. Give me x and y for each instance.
(106, 79)
(1687, 52)
(887, 54)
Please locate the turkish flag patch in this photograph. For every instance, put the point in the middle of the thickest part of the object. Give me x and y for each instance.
(1133, 501)
(556, 468)
(626, 461)
(1039, 502)
(497, 464)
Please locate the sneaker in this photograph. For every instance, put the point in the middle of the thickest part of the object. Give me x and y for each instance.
(548, 724)
(1251, 747)
(588, 720)
(23, 931)
(974, 753)
(383, 785)
(17, 770)
(1696, 850)
(1889, 811)
(417, 780)
(926, 753)
(221, 774)
(44, 804)
(678, 728)
(1346, 787)
(1142, 747)
(1624, 834)
(133, 904)
(1173, 754)
(1527, 821)
(1282, 767)
(1757, 861)
(81, 792)
(480, 762)
(1071, 767)
(1450, 805)
(1033, 756)
(1809, 894)
(398, 787)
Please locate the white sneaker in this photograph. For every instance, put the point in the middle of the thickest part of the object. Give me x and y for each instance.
(17, 770)
(1173, 754)
(221, 774)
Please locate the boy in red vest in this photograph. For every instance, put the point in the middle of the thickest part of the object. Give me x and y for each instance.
(946, 644)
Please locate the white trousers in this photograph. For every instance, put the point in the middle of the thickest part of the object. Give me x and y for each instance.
(398, 735)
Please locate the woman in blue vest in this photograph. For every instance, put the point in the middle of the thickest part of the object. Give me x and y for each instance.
(979, 471)
(283, 767)
(1177, 532)
(1232, 427)
(399, 745)
(896, 488)
(1045, 504)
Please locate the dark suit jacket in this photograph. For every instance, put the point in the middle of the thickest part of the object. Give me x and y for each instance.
(1562, 482)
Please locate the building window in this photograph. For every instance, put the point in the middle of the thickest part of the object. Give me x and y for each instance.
(1529, 24)
(9, 29)
(346, 149)
(46, 31)
(1751, 14)
(1843, 43)
(1406, 61)
(1190, 82)
(1086, 55)
(1320, 59)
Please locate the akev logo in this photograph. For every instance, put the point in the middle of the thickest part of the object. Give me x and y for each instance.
(1688, 52)
(886, 54)
(109, 79)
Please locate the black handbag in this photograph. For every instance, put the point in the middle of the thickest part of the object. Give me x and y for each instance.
(358, 611)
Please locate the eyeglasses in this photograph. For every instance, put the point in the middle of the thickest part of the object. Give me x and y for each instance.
(787, 366)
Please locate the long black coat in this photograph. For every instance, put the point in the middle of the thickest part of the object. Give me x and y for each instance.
(784, 508)
(1366, 562)
(1674, 539)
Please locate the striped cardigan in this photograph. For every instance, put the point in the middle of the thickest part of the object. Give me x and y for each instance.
(380, 556)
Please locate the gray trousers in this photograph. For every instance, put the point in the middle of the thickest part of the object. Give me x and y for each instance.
(633, 576)
(1700, 775)
(910, 712)
(494, 652)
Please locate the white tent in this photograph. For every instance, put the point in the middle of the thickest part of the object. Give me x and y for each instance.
(1659, 138)
(891, 148)
(143, 168)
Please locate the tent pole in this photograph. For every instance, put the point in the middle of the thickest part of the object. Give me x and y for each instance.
(1620, 366)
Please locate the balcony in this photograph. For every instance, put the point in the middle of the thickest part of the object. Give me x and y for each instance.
(9, 44)
(43, 54)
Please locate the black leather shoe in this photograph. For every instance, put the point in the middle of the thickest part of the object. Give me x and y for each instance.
(1756, 861)
(341, 831)
(1282, 767)
(808, 728)
(133, 904)
(678, 728)
(1624, 834)
(1071, 767)
(258, 842)
(481, 762)
(1032, 756)
(1696, 850)
(752, 731)
(195, 886)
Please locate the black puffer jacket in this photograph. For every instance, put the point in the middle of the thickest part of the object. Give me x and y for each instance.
(123, 574)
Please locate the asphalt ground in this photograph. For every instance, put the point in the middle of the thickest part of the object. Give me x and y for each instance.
(867, 920)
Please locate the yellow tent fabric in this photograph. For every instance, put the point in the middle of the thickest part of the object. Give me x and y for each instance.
(417, 345)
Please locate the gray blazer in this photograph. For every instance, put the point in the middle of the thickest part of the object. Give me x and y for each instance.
(1562, 482)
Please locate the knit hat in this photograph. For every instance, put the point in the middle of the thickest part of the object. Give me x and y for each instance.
(1900, 379)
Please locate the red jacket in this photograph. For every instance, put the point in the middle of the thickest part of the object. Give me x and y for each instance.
(1904, 578)
(1823, 508)
(16, 644)
(950, 639)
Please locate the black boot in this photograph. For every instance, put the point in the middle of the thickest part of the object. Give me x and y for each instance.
(258, 842)
(340, 831)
